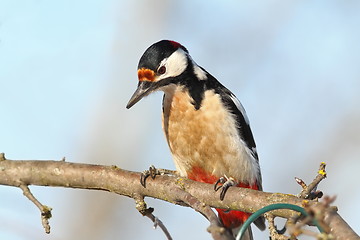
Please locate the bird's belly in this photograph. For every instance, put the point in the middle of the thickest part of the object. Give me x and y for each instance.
(204, 142)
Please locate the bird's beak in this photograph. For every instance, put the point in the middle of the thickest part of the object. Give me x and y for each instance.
(142, 90)
(146, 86)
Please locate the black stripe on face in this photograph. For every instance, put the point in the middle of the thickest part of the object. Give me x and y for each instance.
(242, 126)
(192, 84)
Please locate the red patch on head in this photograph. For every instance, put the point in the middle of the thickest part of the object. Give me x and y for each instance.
(175, 44)
(146, 75)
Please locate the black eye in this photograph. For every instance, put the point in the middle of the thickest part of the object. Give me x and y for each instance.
(161, 70)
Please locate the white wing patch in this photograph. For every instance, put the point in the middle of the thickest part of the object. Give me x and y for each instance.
(241, 108)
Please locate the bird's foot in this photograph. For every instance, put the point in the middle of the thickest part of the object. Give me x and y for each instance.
(153, 172)
(226, 183)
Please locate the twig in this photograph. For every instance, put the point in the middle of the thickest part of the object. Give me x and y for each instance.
(318, 211)
(295, 225)
(148, 212)
(274, 234)
(44, 210)
(308, 191)
(216, 229)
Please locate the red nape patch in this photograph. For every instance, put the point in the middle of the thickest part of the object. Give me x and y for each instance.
(175, 44)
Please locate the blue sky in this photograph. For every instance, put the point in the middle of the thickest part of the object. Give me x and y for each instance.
(67, 70)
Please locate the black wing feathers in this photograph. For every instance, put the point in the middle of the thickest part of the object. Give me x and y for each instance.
(242, 126)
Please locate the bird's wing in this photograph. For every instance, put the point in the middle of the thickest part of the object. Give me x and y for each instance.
(242, 121)
(245, 133)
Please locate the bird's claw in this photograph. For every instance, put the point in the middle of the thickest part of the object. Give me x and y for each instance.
(153, 172)
(221, 180)
(226, 183)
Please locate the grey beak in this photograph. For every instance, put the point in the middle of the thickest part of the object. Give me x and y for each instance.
(142, 90)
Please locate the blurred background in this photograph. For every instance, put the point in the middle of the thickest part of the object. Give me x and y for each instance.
(68, 68)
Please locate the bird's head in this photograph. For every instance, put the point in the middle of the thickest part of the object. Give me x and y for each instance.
(160, 66)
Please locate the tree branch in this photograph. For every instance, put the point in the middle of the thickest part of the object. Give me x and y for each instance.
(148, 212)
(44, 210)
(167, 188)
(308, 191)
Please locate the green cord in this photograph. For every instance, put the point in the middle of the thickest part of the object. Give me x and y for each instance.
(271, 207)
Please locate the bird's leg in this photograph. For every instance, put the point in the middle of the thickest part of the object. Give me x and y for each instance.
(153, 172)
(226, 183)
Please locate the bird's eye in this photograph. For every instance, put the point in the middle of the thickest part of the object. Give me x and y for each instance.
(161, 70)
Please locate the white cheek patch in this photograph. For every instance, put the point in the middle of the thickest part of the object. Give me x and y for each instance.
(175, 64)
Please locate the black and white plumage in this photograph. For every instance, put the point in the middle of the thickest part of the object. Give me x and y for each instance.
(205, 125)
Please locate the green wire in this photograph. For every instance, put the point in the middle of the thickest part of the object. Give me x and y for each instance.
(271, 207)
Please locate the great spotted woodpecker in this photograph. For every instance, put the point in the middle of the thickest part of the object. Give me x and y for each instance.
(205, 125)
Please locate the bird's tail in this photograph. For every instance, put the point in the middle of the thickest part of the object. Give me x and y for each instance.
(247, 234)
(233, 220)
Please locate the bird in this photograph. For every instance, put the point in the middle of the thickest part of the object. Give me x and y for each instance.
(205, 125)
